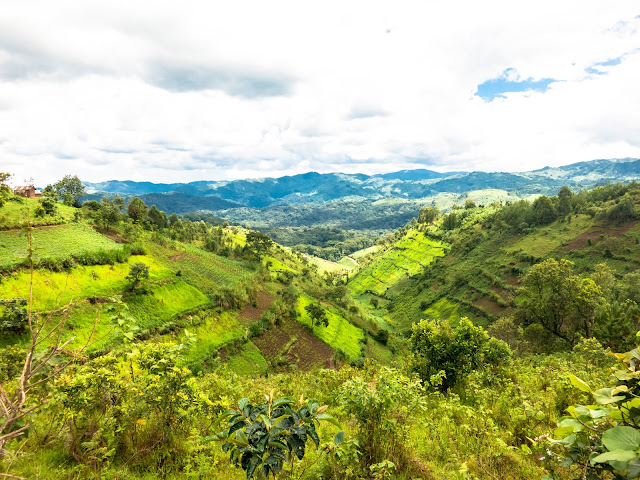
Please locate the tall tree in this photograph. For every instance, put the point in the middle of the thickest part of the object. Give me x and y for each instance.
(70, 190)
(258, 243)
(562, 302)
(564, 200)
(5, 190)
(317, 314)
(157, 217)
(137, 210)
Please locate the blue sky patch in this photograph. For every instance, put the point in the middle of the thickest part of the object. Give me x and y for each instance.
(596, 70)
(505, 83)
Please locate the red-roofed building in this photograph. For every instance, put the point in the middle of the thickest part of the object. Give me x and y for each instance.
(29, 191)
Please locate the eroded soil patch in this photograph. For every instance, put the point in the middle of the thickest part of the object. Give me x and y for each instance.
(253, 313)
(307, 352)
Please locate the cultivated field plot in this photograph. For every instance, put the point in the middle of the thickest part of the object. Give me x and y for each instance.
(339, 334)
(164, 303)
(56, 289)
(211, 335)
(13, 214)
(53, 242)
(249, 361)
(407, 258)
(209, 272)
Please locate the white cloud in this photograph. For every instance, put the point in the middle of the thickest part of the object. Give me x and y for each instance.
(180, 92)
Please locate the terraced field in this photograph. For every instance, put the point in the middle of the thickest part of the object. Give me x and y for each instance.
(406, 258)
(209, 272)
(52, 242)
(339, 334)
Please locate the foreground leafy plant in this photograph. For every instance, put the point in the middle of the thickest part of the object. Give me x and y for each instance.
(602, 440)
(271, 434)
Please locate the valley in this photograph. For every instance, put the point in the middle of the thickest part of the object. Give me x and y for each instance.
(440, 329)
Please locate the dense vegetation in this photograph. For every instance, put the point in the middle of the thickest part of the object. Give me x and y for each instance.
(467, 344)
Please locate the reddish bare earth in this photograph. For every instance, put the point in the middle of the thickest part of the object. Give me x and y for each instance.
(513, 281)
(581, 241)
(252, 314)
(307, 352)
(488, 306)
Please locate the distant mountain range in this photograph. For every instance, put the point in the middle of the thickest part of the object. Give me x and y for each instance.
(316, 188)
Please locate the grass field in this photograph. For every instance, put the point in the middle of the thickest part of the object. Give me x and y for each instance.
(339, 334)
(207, 271)
(53, 242)
(365, 251)
(59, 288)
(211, 335)
(249, 361)
(443, 309)
(13, 214)
(328, 266)
(166, 301)
(406, 258)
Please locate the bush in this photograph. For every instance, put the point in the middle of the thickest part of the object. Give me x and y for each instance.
(443, 356)
(13, 316)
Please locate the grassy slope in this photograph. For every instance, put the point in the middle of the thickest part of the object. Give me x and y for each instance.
(14, 213)
(205, 270)
(52, 242)
(481, 273)
(339, 334)
(405, 258)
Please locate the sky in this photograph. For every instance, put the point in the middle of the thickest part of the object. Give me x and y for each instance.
(209, 90)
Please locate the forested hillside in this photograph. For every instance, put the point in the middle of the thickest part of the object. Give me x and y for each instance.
(467, 344)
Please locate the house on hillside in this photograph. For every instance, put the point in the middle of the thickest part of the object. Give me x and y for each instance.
(28, 191)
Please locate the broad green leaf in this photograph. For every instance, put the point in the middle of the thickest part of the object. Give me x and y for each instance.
(242, 437)
(619, 389)
(242, 403)
(579, 384)
(281, 401)
(604, 396)
(571, 423)
(615, 456)
(621, 438)
(633, 471)
(339, 438)
(253, 464)
(328, 418)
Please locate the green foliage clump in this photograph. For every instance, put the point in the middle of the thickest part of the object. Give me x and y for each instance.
(138, 273)
(602, 439)
(70, 190)
(443, 356)
(562, 302)
(270, 435)
(13, 315)
(384, 404)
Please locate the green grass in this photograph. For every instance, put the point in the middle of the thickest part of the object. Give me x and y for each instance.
(59, 288)
(54, 242)
(443, 309)
(326, 265)
(406, 258)
(348, 263)
(365, 251)
(277, 265)
(545, 240)
(213, 334)
(249, 361)
(165, 303)
(14, 214)
(207, 271)
(339, 334)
